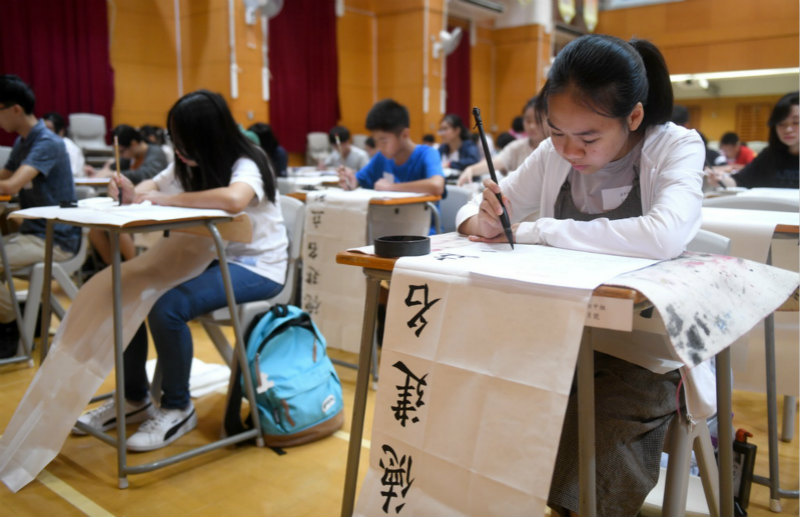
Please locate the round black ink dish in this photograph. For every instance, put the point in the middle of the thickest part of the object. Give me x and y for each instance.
(392, 246)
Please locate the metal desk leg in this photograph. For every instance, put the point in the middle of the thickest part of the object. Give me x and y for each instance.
(773, 481)
(46, 285)
(789, 412)
(361, 389)
(28, 347)
(239, 346)
(119, 348)
(586, 432)
(725, 431)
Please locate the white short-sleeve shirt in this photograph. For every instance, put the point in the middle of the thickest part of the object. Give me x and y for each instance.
(266, 254)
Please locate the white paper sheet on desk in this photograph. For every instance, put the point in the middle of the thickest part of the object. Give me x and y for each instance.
(750, 231)
(708, 301)
(531, 264)
(482, 373)
(82, 353)
(118, 215)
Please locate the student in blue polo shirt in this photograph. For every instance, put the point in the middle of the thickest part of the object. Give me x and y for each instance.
(400, 164)
(39, 172)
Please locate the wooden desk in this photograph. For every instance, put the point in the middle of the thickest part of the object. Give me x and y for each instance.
(210, 223)
(377, 269)
(387, 201)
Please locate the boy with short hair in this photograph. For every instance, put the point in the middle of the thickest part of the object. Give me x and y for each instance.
(39, 159)
(735, 151)
(344, 152)
(144, 160)
(400, 164)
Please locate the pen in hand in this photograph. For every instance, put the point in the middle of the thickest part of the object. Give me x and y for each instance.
(504, 220)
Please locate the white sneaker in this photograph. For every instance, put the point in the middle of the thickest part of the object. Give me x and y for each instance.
(104, 417)
(166, 426)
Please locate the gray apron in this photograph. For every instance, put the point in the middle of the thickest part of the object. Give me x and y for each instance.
(633, 409)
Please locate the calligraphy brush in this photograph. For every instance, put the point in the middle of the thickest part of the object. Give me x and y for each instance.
(476, 112)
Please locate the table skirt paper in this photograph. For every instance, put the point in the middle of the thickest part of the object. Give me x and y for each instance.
(82, 353)
(467, 360)
(334, 294)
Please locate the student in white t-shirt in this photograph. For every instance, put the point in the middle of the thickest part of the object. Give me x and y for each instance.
(217, 167)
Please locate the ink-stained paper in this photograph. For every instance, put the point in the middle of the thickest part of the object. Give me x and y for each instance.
(337, 220)
(82, 352)
(708, 301)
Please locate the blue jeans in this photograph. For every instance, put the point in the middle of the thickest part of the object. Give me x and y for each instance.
(168, 323)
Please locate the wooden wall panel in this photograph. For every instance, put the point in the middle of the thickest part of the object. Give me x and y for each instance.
(482, 86)
(356, 38)
(718, 116)
(519, 62)
(713, 35)
(142, 54)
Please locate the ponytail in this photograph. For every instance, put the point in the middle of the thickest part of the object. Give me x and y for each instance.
(658, 108)
(611, 76)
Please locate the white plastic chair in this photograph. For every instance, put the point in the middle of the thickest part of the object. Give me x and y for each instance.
(448, 206)
(5, 152)
(62, 273)
(317, 147)
(294, 219)
(88, 131)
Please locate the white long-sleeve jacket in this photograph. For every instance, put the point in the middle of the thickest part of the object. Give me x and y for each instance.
(671, 178)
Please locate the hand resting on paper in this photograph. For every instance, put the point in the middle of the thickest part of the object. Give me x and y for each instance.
(486, 226)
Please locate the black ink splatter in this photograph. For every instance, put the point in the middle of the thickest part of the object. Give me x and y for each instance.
(693, 339)
(675, 324)
(701, 324)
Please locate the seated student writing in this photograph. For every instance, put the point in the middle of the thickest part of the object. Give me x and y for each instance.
(217, 167)
(344, 152)
(38, 170)
(457, 149)
(513, 153)
(143, 160)
(614, 177)
(777, 165)
(399, 164)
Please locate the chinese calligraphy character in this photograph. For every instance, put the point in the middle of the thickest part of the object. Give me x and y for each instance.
(312, 250)
(396, 474)
(426, 305)
(316, 217)
(452, 256)
(312, 275)
(404, 404)
(311, 304)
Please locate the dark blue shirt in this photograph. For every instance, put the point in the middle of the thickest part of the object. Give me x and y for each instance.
(45, 151)
(467, 154)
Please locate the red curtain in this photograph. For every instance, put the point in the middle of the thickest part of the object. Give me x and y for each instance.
(60, 48)
(304, 85)
(458, 80)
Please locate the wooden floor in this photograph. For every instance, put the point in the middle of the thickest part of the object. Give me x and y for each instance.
(249, 481)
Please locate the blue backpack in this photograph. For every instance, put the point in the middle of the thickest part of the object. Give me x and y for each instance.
(298, 393)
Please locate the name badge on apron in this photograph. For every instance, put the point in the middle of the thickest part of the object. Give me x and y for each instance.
(613, 197)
